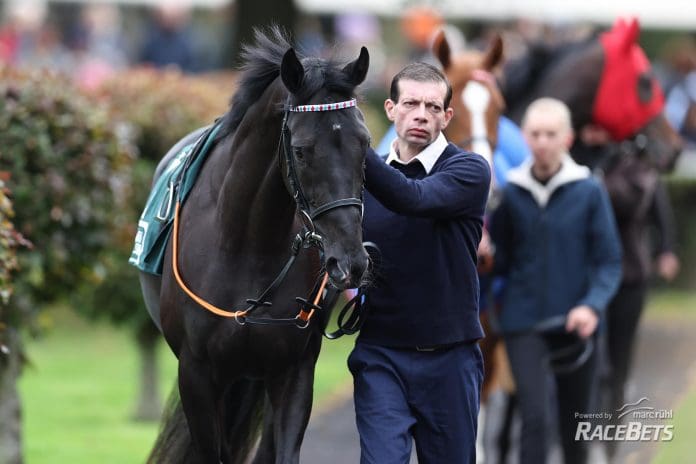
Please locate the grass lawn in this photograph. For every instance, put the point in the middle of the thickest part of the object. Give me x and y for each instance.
(682, 448)
(674, 305)
(79, 393)
(678, 306)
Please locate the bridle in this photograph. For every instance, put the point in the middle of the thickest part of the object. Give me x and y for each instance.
(306, 238)
(306, 213)
(639, 146)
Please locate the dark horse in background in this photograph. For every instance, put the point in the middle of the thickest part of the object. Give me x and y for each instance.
(276, 206)
(606, 82)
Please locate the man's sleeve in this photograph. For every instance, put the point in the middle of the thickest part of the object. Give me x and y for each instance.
(662, 216)
(605, 249)
(459, 188)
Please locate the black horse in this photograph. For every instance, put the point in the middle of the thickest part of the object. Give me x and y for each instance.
(276, 207)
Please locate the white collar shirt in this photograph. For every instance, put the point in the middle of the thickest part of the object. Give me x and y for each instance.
(428, 157)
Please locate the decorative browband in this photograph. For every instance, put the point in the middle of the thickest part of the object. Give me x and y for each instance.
(324, 107)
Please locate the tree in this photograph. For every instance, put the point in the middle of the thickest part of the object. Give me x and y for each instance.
(10, 359)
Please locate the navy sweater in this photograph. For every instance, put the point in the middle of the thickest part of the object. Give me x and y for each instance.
(428, 228)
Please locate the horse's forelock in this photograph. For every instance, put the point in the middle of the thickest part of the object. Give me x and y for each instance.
(262, 66)
(323, 74)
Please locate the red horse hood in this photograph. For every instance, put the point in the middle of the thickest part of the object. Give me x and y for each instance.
(617, 106)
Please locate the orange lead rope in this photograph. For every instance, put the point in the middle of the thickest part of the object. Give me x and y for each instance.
(303, 315)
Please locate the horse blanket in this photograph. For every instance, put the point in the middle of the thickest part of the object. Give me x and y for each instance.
(174, 184)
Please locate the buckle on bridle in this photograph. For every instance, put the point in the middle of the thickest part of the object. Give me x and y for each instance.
(240, 319)
(307, 221)
(312, 239)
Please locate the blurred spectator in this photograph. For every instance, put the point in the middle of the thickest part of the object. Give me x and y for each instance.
(28, 40)
(677, 73)
(99, 45)
(354, 30)
(310, 35)
(418, 25)
(680, 107)
(169, 41)
(556, 243)
(19, 33)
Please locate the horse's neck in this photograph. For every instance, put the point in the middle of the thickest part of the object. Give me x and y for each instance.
(253, 206)
(572, 78)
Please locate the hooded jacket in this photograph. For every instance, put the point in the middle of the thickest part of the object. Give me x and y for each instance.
(556, 244)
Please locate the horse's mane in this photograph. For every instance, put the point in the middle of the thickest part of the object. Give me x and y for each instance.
(262, 66)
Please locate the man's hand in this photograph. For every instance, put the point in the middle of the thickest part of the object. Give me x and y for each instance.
(583, 320)
(668, 266)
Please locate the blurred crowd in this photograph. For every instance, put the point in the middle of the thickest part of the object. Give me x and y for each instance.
(91, 41)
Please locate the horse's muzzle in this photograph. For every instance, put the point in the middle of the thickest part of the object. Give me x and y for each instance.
(348, 271)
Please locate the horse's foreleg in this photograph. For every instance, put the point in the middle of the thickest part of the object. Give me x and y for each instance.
(199, 401)
(266, 450)
(291, 401)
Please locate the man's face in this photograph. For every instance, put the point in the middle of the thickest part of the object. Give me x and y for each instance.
(419, 115)
(548, 137)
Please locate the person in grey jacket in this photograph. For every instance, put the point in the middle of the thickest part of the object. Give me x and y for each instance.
(557, 246)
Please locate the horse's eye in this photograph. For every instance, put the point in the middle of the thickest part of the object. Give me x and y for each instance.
(645, 88)
(297, 151)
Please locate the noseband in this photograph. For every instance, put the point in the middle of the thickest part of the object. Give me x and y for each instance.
(307, 214)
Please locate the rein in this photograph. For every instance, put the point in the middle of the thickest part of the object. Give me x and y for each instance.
(306, 238)
(302, 318)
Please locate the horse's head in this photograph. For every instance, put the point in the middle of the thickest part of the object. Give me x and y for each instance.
(325, 140)
(476, 100)
(629, 101)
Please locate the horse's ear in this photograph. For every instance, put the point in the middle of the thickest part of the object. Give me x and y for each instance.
(633, 31)
(357, 70)
(441, 49)
(494, 53)
(291, 71)
(628, 30)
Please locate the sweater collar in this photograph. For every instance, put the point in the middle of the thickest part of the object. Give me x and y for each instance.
(428, 157)
(570, 172)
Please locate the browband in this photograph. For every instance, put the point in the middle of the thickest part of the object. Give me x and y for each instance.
(323, 107)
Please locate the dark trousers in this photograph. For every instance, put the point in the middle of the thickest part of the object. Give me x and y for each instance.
(431, 397)
(623, 316)
(529, 355)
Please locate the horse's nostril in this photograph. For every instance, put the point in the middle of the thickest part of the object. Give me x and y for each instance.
(337, 274)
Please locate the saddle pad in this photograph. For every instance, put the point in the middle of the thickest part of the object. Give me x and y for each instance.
(175, 182)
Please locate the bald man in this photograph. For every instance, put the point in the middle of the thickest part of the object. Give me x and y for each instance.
(557, 246)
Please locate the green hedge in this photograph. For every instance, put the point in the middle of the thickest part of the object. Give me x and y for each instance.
(70, 169)
(159, 107)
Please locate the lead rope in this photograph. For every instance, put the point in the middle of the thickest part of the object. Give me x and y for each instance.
(238, 315)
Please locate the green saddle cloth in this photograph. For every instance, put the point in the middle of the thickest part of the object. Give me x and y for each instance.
(175, 183)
